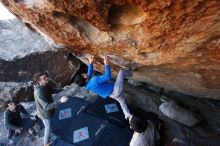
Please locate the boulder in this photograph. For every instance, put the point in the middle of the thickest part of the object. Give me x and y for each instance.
(25, 53)
(178, 113)
(15, 90)
(57, 63)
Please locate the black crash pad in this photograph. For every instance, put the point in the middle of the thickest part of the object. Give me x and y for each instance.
(60, 142)
(115, 136)
(85, 120)
(98, 109)
(77, 105)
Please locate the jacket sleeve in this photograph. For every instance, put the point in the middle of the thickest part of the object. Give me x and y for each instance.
(7, 122)
(90, 70)
(23, 110)
(107, 76)
(42, 101)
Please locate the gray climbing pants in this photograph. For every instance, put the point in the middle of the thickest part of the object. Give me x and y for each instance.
(117, 93)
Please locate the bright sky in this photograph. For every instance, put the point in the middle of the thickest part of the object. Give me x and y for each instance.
(4, 13)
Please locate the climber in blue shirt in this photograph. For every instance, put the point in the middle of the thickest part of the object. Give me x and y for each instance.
(102, 86)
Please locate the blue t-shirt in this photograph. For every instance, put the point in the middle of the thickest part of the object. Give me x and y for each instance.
(100, 84)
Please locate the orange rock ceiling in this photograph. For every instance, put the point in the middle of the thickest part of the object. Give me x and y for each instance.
(173, 44)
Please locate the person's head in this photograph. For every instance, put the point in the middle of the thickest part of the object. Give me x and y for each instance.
(10, 105)
(81, 79)
(137, 124)
(41, 78)
(46, 73)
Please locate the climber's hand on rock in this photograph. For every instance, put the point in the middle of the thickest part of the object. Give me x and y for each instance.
(90, 58)
(106, 60)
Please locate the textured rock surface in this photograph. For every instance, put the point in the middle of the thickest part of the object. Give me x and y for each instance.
(17, 41)
(60, 67)
(203, 134)
(15, 76)
(24, 53)
(179, 114)
(16, 90)
(172, 43)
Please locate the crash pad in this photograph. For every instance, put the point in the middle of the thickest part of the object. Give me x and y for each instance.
(108, 109)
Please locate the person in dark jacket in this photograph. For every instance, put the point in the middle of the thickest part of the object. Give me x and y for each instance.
(13, 120)
(45, 104)
(102, 86)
